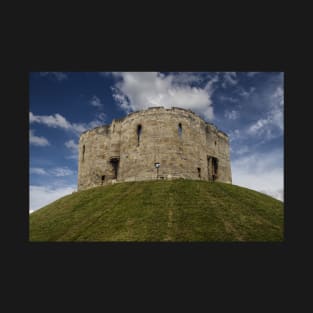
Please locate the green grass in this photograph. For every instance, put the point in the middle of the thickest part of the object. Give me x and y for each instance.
(178, 210)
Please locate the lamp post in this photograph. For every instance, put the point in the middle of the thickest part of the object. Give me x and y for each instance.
(157, 165)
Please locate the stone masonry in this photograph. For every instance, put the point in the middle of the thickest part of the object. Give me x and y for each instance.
(129, 149)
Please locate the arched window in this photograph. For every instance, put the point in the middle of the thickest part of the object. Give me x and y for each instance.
(83, 157)
(139, 130)
(180, 130)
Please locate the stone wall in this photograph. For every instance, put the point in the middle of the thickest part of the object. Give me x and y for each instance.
(182, 142)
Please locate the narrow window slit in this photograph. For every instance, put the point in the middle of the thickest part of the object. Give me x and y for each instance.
(180, 130)
(83, 157)
(139, 130)
(199, 172)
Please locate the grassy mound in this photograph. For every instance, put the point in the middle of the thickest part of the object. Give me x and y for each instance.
(178, 210)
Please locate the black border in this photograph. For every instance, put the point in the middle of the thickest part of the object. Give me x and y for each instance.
(258, 261)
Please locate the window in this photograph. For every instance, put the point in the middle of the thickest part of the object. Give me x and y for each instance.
(102, 179)
(199, 172)
(180, 130)
(83, 157)
(139, 130)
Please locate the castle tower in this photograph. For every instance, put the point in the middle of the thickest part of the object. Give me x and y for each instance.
(184, 145)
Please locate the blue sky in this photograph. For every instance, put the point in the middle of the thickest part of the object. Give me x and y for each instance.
(248, 106)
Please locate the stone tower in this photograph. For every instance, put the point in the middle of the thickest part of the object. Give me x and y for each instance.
(130, 149)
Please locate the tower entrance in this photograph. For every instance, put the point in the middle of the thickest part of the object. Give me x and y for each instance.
(212, 168)
(115, 166)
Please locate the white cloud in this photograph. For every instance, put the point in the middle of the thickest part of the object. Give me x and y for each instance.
(61, 171)
(72, 156)
(226, 98)
(54, 121)
(251, 74)
(59, 121)
(72, 145)
(231, 115)
(139, 90)
(241, 150)
(57, 75)
(36, 140)
(99, 120)
(57, 171)
(40, 196)
(258, 126)
(96, 102)
(230, 79)
(277, 105)
(186, 78)
(260, 171)
(246, 93)
(272, 124)
(101, 117)
(94, 124)
(235, 134)
(37, 171)
(279, 94)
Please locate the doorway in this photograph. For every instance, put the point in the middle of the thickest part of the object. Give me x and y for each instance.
(212, 168)
(115, 165)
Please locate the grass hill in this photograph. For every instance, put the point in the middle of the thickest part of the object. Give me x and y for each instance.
(178, 210)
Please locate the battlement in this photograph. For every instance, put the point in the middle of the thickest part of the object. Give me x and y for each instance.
(158, 109)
